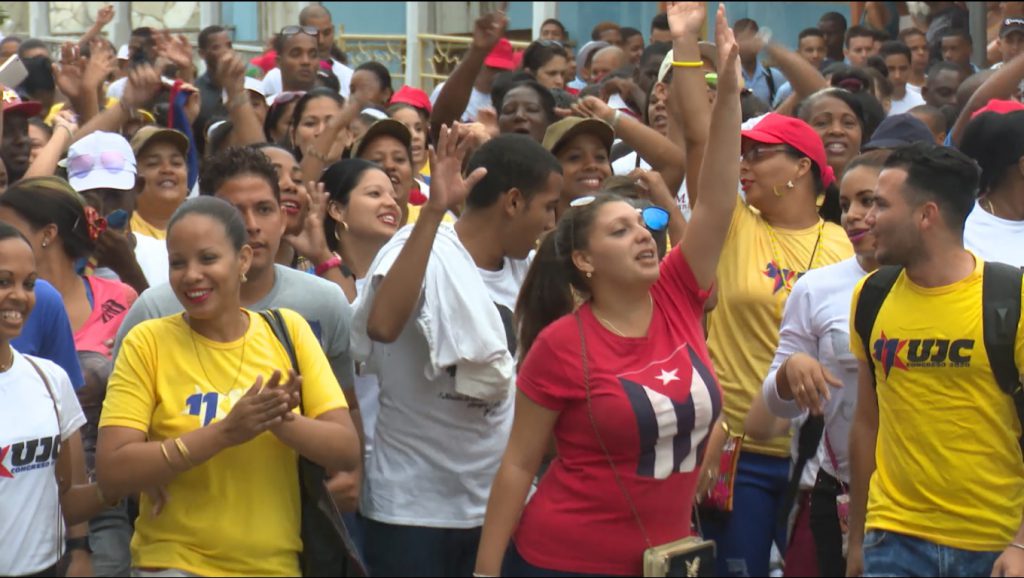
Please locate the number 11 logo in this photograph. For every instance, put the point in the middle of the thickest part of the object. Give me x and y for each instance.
(195, 406)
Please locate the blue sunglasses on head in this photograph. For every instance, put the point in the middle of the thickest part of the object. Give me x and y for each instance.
(655, 218)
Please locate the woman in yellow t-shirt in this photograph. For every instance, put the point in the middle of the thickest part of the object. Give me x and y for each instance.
(774, 238)
(197, 413)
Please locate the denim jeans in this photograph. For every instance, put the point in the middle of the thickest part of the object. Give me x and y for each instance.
(891, 554)
(515, 565)
(744, 536)
(110, 535)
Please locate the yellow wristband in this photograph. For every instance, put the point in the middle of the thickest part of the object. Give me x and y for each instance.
(681, 64)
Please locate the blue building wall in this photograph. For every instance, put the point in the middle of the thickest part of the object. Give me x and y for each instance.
(245, 18)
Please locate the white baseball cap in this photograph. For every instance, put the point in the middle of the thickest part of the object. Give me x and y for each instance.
(123, 52)
(251, 84)
(101, 160)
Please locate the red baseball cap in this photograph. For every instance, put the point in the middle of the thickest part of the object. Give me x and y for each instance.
(776, 128)
(13, 103)
(999, 107)
(502, 56)
(414, 97)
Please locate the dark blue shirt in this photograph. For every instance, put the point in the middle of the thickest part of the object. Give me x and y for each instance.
(47, 333)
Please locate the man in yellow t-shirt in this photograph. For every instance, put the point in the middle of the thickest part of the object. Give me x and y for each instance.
(937, 479)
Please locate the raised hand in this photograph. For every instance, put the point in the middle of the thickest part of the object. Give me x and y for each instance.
(68, 74)
(448, 187)
(176, 49)
(260, 409)
(67, 120)
(730, 76)
(593, 107)
(105, 15)
(143, 84)
(311, 243)
(685, 19)
(230, 73)
(488, 30)
(102, 62)
(653, 183)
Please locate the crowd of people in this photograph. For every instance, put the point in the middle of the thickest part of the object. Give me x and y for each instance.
(581, 301)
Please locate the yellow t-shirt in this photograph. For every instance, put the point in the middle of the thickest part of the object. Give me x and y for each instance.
(752, 288)
(239, 512)
(141, 226)
(949, 466)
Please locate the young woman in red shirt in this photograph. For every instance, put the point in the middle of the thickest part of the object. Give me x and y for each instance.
(624, 383)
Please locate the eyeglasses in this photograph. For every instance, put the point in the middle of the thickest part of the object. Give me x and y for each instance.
(757, 153)
(655, 218)
(112, 161)
(289, 31)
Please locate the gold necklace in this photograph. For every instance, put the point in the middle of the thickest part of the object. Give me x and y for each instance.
(613, 327)
(991, 209)
(238, 372)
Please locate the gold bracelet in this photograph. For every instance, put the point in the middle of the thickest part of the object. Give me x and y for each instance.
(170, 464)
(184, 452)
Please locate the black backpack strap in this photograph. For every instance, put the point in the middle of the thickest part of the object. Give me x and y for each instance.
(872, 295)
(771, 85)
(1000, 290)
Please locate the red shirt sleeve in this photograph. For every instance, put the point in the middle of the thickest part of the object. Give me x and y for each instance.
(544, 376)
(678, 286)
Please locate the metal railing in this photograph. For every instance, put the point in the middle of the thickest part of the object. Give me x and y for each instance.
(387, 49)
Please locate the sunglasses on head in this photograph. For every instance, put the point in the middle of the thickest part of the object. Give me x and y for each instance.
(655, 218)
(112, 161)
(289, 31)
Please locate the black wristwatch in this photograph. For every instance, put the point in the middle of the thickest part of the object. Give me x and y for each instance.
(72, 544)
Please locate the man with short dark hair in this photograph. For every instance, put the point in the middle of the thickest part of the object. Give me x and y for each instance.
(944, 78)
(316, 16)
(858, 45)
(919, 57)
(811, 45)
(660, 31)
(937, 480)
(469, 275)
(297, 60)
(632, 44)
(214, 42)
(956, 48)
(897, 61)
(833, 27)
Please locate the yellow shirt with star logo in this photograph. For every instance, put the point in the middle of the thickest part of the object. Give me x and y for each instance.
(238, 513)
(948, 463)
(753, 284)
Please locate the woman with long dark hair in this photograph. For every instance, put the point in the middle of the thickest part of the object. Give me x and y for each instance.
(632, 354)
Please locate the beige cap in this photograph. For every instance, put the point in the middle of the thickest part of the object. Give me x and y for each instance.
(562, 131)
(152, 133)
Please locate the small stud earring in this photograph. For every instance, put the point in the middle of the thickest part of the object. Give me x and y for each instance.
(789, 184)
(589, 275)
(45, 243)
(244, 278)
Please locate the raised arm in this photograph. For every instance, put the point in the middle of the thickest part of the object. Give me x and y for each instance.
(1003, 84)
(64, 128)
(104, 16)
(664, 156)
(143, 84)
(454, 96)
(246, 126)
(399, 291)
(863, 437)
(705, 234)
(802, 75)
(688, 95)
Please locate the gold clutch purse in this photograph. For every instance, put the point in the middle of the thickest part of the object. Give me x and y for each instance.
(689, 557)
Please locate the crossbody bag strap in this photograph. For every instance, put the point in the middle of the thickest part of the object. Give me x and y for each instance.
(60, 434)
(597, 432)
(835, 462)
(277, 324)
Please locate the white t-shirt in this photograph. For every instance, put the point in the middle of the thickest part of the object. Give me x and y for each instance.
(910, 100)
(367, 392)
(993, 238)
(152, 257)
(30, 515)
(272, 84)
(626, 164)
(816, 321)
(477, 100)
(437, 451)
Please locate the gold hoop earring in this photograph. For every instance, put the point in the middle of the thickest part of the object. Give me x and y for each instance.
(344, 226)
(775, 190)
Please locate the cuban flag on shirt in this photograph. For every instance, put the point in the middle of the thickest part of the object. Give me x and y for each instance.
(673, 420)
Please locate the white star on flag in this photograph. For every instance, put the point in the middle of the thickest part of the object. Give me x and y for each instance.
(667, 377)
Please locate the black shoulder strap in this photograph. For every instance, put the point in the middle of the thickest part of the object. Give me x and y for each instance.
(277, 324)
(872, 295)
(771, 85)
(1000, 291)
